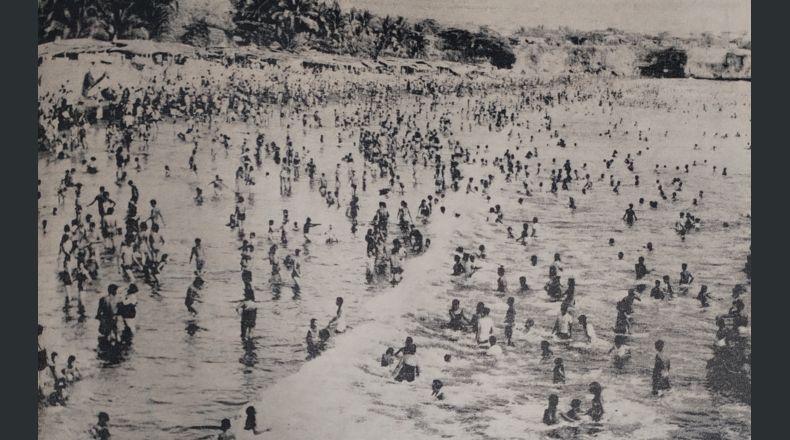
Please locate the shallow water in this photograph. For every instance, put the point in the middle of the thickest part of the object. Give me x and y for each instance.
(172, 380)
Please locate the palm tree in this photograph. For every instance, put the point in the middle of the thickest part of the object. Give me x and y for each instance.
(414, 43)
(122, 17)
(155, 14)
(292, 17)
(332, 21)
(65, 18)
(384, 35)
(363, 22)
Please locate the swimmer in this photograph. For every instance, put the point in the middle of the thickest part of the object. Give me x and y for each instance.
(573, 415)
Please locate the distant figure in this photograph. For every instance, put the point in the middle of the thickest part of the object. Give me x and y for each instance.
(630, 215)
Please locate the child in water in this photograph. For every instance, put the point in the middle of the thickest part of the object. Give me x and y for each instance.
(573, 414)
(388, 357)
(71, 372)
(522, 284)
(545, 350)
(436, 389)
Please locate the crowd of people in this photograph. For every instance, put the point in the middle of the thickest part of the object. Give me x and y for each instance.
(396, 148)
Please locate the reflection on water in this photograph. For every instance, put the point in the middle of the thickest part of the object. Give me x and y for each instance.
(185, 371)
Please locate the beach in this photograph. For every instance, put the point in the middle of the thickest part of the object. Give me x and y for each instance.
(172, 380)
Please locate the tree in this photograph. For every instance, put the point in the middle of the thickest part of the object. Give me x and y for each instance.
(292, 17)
(386, 35)
(332, 22)
(197, 33)
(155, 15)
(119, 18)
(124, 16)
(66, 18)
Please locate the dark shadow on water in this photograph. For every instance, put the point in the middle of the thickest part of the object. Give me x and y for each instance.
(192, 328)
(729, 372)
(113, 353)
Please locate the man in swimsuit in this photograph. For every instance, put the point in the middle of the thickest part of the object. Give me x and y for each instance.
(197, 254)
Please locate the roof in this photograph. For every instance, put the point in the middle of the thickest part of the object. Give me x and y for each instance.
(137, 47)
(148, 47)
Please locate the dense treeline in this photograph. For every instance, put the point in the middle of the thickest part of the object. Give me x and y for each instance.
(320, 25)
(104, 19)
(283, 24)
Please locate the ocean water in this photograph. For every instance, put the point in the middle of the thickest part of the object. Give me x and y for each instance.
(172, 380)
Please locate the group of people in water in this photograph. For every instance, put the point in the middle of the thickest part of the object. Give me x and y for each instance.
(395, 149)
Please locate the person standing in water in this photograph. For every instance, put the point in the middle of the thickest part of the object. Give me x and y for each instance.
(197, 254)
(630, 215)
(485, 326)
(660, 370)
(311, 340)
(564, 323)
(193, 296)
(409, 369)
(249, 313)
(686, 278)
(510, 321)
(550, 414)
(339, 320)
(596, 406)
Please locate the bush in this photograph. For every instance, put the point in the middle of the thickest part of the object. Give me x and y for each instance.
(474, 46)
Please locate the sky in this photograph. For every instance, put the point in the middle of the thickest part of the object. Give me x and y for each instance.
(678, 17)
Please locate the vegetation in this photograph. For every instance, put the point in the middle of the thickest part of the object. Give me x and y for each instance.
(104, 19)
(321, 25)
